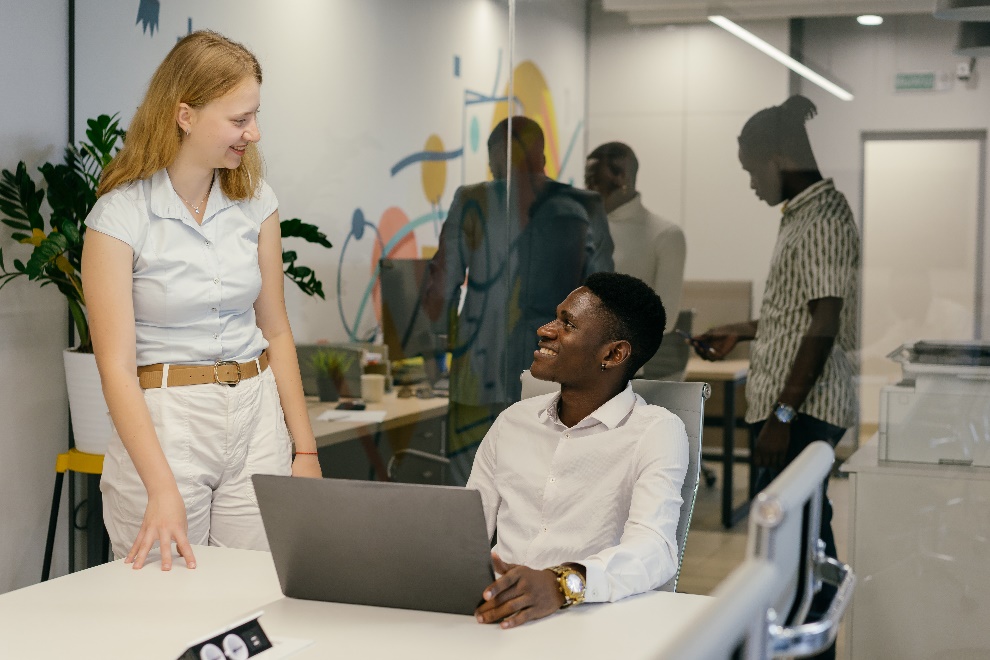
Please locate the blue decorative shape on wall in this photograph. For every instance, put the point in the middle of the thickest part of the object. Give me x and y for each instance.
(457, 66)
(147, 15)
(425, 155)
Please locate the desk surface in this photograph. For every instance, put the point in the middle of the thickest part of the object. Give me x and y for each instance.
(716, 372)
(113, 611)
(399, 412)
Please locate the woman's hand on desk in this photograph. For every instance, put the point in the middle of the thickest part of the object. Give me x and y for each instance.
(521, 594)
(307, 465)
(164, 520)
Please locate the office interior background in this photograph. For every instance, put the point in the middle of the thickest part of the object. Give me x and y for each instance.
(375, 111)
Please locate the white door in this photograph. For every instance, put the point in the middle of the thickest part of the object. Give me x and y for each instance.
(920, 228)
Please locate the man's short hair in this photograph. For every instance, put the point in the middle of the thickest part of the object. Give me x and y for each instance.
(619, 158)
(634, 313)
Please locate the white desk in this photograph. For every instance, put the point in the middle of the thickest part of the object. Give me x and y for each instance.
(112, 611)
(399, 412)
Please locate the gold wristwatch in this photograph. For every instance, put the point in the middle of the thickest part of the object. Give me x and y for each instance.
(571, 584)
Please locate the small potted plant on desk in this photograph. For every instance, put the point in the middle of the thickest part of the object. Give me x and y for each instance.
(331, 365)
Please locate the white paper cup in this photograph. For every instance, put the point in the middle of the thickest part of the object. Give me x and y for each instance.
(372, 387)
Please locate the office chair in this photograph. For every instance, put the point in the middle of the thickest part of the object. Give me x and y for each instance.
(670, 363)
(758, 609)
(687, 401)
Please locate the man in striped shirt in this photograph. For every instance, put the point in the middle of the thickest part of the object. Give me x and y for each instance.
(800, 386)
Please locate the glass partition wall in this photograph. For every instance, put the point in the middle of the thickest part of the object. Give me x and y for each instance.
(452, 138)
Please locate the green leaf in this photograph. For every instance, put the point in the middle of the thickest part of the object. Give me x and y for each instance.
(45, 253)
(296, 228)
(288, 256)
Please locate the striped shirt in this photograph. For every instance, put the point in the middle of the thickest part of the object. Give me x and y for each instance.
(817, 255)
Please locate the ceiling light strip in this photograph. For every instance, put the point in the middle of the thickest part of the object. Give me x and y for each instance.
(781, 57)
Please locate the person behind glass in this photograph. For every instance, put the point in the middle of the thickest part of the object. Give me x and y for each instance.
(646, 245)
(584, 485)
(182, 272)
(800, 385)
(523, 245)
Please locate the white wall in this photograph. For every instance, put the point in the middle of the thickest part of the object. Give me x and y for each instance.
(33, 121)
(866, 60)
(679, 96)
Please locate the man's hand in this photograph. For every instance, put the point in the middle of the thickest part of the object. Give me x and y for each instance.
(716, 343)
(306, 465)
(772, 443)
(522, 594)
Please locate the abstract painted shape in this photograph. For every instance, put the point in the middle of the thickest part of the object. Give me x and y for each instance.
(530, 90)
(434, 171)
(420, 156)
(475, 135)
(147, 15)
(393, 222)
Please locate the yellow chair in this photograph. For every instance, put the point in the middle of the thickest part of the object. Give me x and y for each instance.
(75, 461)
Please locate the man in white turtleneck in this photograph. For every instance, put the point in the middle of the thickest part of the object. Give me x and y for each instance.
(646, 246)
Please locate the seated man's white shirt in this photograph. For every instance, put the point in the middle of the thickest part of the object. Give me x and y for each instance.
(605, 493)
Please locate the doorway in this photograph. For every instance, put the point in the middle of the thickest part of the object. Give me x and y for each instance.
(922, 238)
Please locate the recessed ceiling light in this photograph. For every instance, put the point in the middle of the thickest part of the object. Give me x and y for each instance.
(869, 19)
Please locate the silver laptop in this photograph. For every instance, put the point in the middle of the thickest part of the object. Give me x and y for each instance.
(412, 546)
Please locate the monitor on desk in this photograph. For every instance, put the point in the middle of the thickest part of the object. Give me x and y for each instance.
(407, 329)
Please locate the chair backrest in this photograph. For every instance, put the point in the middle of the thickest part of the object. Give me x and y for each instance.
(772, 589)
(687, 401)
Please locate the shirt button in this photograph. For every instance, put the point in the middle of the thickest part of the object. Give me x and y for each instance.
(216, 280)
(567, 435)
(213, 309)
(552, 479)
(208, 244)
(544, 529)
(216, 336)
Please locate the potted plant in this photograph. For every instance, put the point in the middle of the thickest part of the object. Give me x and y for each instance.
(55, 259)
(331, 365)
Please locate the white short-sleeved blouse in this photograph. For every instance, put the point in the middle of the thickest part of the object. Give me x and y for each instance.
(194, 285)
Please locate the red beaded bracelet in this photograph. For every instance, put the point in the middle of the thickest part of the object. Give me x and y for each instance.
(307, 453)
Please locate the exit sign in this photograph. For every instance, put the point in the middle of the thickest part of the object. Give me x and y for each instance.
(923, 81)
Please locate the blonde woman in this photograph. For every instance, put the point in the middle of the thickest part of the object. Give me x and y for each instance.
(183, 278)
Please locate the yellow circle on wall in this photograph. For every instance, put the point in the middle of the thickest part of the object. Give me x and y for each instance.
(434, 171)
(533, 99)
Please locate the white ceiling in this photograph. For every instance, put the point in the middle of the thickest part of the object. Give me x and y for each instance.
(644, 12)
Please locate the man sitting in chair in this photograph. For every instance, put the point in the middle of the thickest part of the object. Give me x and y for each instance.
(584, 485)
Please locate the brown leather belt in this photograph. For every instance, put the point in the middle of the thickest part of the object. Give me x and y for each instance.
(224, 372)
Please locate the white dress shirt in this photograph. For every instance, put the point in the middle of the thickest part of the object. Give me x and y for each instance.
(194, 286)
(605, 493)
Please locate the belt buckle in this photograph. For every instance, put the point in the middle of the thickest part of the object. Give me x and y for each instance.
(216, 373)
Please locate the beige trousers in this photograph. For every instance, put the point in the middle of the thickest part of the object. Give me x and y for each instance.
(214, 438)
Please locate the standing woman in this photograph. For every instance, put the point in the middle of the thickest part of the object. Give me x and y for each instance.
(184, 284)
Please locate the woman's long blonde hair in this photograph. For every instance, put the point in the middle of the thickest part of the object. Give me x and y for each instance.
(202, 67)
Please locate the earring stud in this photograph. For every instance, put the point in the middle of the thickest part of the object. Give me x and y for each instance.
(603, 366)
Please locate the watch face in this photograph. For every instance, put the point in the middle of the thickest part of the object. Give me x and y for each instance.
(784, 413)
(574, 583)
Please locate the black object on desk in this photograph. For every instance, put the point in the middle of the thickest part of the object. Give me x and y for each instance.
(357, 404)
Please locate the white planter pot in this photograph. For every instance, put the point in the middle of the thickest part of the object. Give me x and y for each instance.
(90, 419)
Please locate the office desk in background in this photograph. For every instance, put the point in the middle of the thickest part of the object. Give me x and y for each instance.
(731, 374)
(113, 611)
(407, 421)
